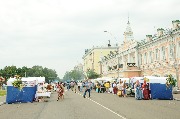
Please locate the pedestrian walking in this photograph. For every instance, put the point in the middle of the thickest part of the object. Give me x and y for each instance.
(87, 89)
(75, 87)
(72, 85)
(68, 85)
(80, 86)
(60, 92)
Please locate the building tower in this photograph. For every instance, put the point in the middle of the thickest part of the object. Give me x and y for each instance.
(128, 34)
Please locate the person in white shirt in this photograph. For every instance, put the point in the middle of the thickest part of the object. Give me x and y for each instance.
(120, 88)
(79, 85)
(72, 85)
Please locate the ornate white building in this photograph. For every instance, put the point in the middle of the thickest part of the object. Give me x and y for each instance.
(157, 55)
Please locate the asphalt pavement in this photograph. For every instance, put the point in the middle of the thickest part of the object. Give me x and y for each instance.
(2, 100)
(98, 106)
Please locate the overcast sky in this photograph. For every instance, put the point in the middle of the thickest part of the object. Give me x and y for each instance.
(55, 33)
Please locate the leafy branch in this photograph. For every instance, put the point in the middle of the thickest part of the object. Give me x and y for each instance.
(171, 81)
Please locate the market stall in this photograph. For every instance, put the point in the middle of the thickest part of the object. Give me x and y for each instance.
(159, 90)
(156, 86)
(26, 94)
(41, 88)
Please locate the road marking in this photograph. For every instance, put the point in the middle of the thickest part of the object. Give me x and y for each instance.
(104, 107)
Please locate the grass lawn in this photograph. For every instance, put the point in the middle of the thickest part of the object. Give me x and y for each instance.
(2, 92)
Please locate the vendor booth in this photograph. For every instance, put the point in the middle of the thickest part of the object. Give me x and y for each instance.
(41, 88)
(159, 90)
(26, 94)
(156, 85)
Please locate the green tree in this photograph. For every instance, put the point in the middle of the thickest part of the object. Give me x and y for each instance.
(9, 71)
(39, 71)
(66, 76)
(91, 74)
(73, 74)
(36, 71)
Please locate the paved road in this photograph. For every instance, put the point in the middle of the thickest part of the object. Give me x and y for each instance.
(99, 106)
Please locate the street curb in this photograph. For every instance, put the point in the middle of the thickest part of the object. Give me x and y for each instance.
(4, 102)
(176, 99)
(1, 103)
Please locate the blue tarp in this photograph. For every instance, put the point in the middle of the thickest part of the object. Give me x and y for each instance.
(14, 95)
(160, 91)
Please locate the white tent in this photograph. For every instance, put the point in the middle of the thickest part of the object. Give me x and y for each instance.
(104, 79)
(9, 82)
(23, 79)
(123, 79)
(40, 79)
(134, 79)
(151, 79)
(161, 80)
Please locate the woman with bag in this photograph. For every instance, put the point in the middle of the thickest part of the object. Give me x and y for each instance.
(120, 87)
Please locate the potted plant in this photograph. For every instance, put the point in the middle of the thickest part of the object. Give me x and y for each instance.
(18, 83)
(171, 81)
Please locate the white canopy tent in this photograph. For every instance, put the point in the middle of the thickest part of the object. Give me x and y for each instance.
(104, 79)
(123, 79)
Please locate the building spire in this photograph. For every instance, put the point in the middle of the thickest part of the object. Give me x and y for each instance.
(128, 18)
(128, 33)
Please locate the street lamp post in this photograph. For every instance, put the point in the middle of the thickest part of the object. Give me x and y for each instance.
(111, 36)
(118, 57)
(118, 65)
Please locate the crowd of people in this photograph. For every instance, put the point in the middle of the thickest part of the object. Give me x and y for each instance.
(117, 88)
(120, 88)
(124, 89)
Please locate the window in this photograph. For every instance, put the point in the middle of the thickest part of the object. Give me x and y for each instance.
(163, 53)
(150, 57)
(156, 54)
(145, 58)
(141, 59)
(171, 50)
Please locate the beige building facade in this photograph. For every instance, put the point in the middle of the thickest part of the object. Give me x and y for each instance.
(92, 58)
(160, 55)
(157, 55)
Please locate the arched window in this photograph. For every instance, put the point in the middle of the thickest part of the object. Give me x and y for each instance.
(145, 58)
(171, 50)
(163, 53)
(157, 54)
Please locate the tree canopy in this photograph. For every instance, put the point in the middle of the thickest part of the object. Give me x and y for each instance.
(79, 75)
(36, 71)
(91, 74)
(73, 75)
